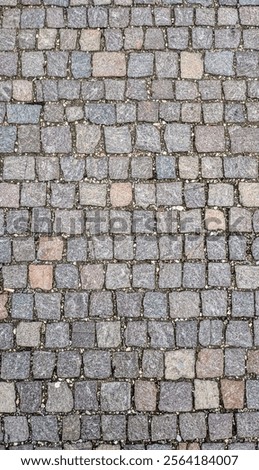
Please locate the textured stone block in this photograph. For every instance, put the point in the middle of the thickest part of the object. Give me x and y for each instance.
(40, 276)
(7, 398)
(60, 398)
(175, 396)
(166, 64)
(220, 426)
(246, 277)
(117, 139)
(209, 139)
(109, 64)
(16, 429)
(115, 396)
(28, 334)
(191, 65)
(232, 393)
(56, 139)
(178, 137)
(179, 364)
(44, 428)
(244, 140)
(192, 426)
(206, 394)
(219, 63)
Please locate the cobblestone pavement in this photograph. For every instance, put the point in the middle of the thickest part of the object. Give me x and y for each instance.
(129, 224)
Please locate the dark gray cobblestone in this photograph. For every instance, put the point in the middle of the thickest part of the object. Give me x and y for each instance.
(129, 222)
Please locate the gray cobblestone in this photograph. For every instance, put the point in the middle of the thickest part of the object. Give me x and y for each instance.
(16, 429)
(15, 365)
(113, 427)
(60, 398)
(115, 396)
(90, 427)
(44, 428)
(86, 396)
(152, 364)
(30, 396)
(175, 396)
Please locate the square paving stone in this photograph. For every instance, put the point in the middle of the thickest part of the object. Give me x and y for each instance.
(175, 396)
(30, 396)
(113, 427)
(15, 365)
(97, 364)
(44, 428)
(16, 429)
(60, 398)
(68, 364)
(164, 427)
(220, 426)
(86, 396)
(193, 426)
(22, 306)
(43, 363)
(83, 334)
(115, 396)
(125, 364)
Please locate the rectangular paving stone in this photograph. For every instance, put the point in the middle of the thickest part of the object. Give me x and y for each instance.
(44, 428)
(244, 140)
(175, 396)
(80, 64)
(115, 396)
(7, 398)
(16, 429)
(9, 63)
(166, 64)
(209, 139)
(56, 139)
(219, 63)
(109, 64)
(30, 396)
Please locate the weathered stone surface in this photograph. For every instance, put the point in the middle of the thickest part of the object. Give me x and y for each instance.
(209, 139)
(129, 225)
(191, 65)
(179, 364)
(244, 140)
(87, 137)
(206, 394)
(115, 396)
(109, 64)
(7, 398)
(60, 398)
(247, 277)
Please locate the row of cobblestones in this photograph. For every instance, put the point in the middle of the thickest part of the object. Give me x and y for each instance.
(129, 224)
